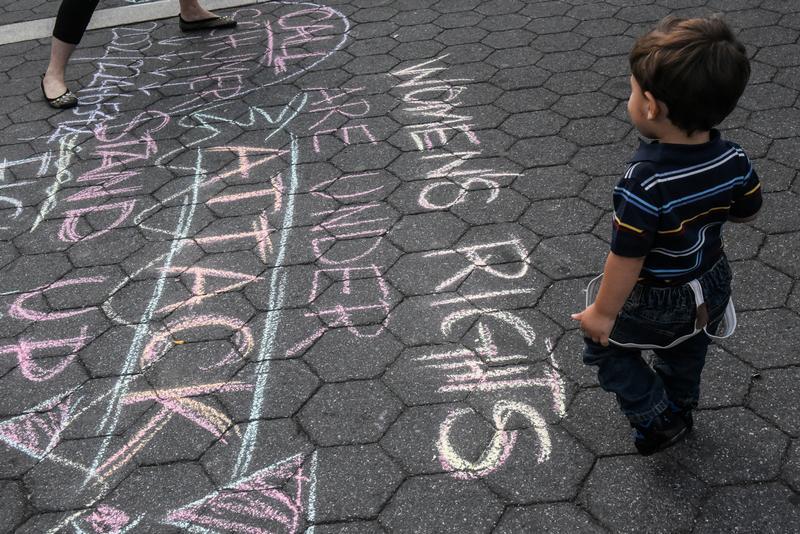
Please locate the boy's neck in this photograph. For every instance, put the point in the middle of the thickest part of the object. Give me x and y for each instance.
(676, 136)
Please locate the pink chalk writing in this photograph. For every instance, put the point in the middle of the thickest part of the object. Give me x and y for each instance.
(36, 433)
(268, 501)
(107, 519)
(36, 371)
(19, 311)
(69, 228)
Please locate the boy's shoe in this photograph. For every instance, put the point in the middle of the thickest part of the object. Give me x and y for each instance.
(684, 413)
(659, 433)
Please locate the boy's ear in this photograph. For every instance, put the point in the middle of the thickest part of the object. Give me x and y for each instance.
(656, 109)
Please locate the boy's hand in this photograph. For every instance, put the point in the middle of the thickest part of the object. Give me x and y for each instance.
(595, 325)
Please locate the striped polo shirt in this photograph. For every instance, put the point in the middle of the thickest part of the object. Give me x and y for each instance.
(670, 205)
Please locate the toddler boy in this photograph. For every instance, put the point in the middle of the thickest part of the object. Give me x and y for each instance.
(669, 208)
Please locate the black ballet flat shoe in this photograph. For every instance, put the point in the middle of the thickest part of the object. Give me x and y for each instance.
(214, 23)
(65, 101)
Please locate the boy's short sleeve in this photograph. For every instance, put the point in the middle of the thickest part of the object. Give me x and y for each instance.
(747, 197)
(635, 219)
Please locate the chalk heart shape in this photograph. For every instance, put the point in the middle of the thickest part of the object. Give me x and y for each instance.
(270, 45)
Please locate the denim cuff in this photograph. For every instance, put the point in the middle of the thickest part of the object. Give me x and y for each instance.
(656, 410)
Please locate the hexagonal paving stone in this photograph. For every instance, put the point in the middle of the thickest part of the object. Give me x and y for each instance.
(14, 507)
(413, 439)
(585, 105)
(596, 131)
(609, 45)
(509, 38)
(511, 290)
(273, 441)
(500, 7)
(570, 256)
(29, 272)
(506, 206)
(787, 55)
(352, 159)
(794, 300)
(415, 378)
(54, 365)
(83, 288)
(779, 251)
(339, 355)
(756, 286)
(573, 215)
(572, 82)
(533, 124)
(742, 241)
(550, 182)
(778, 122)
(461, 35)
(431, 272)
(777, 177)
(567, 355)
(547, 519)
(287, 383)
(791, 470)
(572, 60)
(350, 527)
(530, 475)
(603, 159)
(731, 446)
(595, 419)
(758, 508)
(767, 96)
(354, 482)
(151, 490)
(558, 42)
(774, 398)
(542, 24)
(766, 338)
(542, 151)
(441, 504)
(726, 380)
(627, 491)
(426, 231)
(514, 57)
(418, 320)
(349, 412)
(59, 485)
(562, 298)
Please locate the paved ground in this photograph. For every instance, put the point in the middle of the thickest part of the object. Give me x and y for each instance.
(316, 274)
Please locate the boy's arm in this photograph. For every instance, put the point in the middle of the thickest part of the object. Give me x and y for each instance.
(747, 199)
(619, 276)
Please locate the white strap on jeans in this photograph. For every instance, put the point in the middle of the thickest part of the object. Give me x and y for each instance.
(726, 327)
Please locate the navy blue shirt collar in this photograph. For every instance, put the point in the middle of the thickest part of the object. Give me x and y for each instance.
(674, 153)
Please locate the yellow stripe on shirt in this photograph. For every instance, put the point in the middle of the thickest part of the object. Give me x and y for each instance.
(683, 222)
(756, 188)
(627, 226)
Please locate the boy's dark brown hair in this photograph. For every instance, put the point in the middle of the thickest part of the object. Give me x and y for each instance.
(695, 66)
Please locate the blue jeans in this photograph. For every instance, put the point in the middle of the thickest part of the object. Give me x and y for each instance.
(658, 315)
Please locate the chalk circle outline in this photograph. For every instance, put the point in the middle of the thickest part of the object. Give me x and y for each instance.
(160, 342)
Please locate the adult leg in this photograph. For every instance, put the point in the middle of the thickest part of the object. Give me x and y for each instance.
(191, 10)
(639, 390)
(60, 53)
(71, 22)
